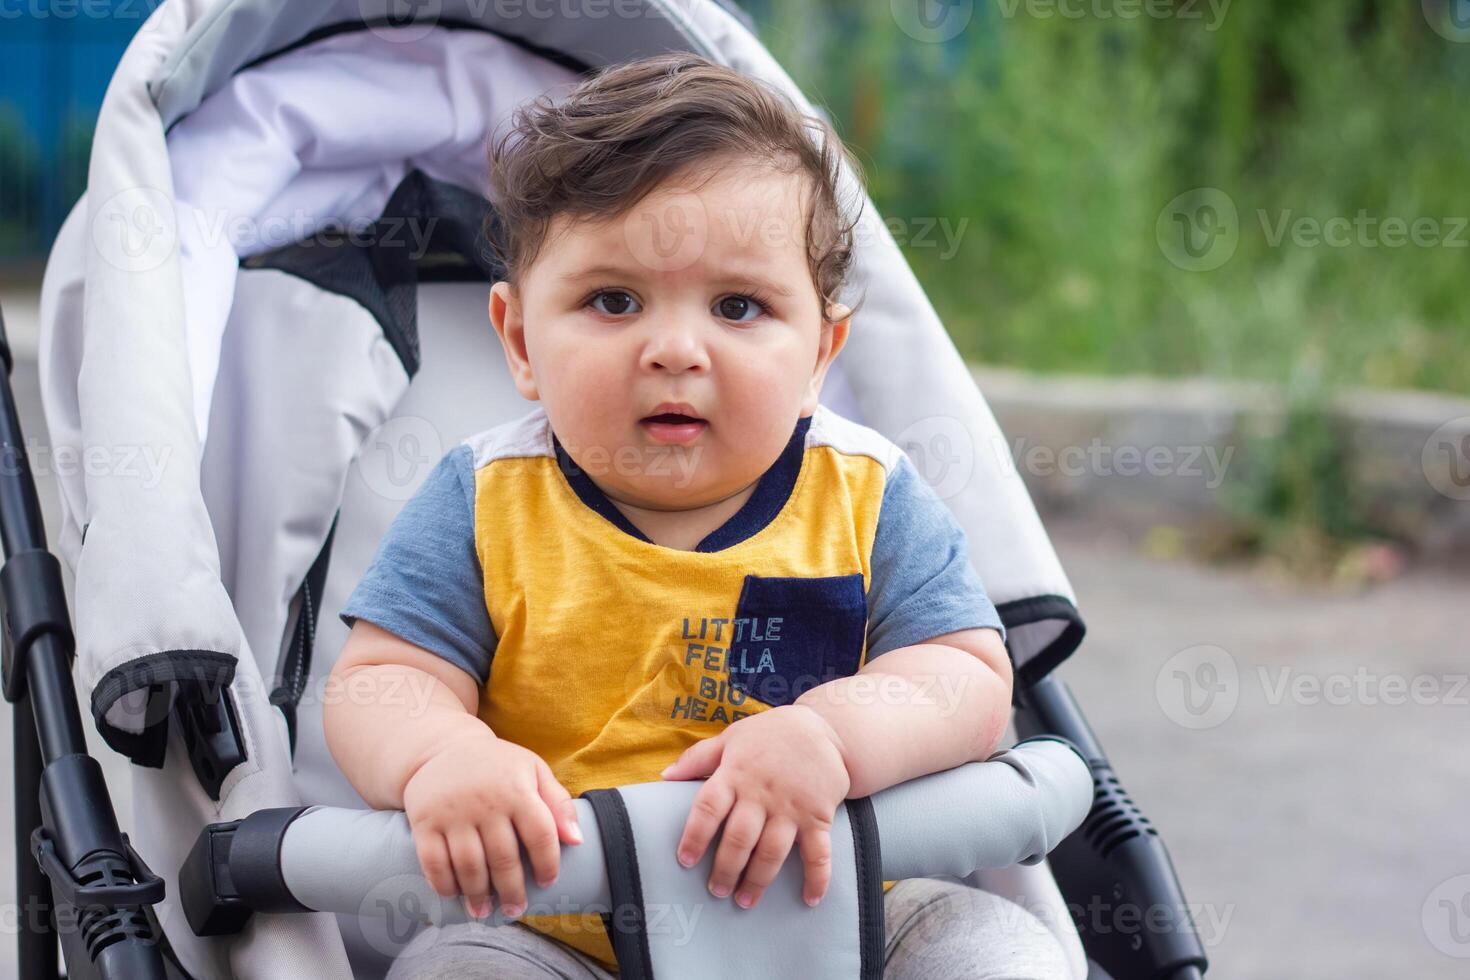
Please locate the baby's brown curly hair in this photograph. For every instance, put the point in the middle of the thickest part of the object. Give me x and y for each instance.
(597, 151)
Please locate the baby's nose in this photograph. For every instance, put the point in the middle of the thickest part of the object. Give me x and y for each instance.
(675, 350)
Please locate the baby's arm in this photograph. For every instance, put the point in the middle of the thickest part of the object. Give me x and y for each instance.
(918, 709)
(391, 705)
(401, 724)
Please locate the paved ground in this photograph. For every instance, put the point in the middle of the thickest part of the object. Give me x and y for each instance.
(1302, 752)
(1323, 820)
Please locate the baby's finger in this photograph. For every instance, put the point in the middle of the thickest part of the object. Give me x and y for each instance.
(816, 860)
(743, 828)
(711, 803)
(503, 854)
(536, 828)
(468, 857)
(770, 854)
(560, 803)
(433, 855)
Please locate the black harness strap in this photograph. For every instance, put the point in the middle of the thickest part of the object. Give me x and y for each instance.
(627, 924)
(295, 664)
(867, 855)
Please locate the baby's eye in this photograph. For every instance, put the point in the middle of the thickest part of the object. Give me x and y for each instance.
(615, 302)
(741, 309)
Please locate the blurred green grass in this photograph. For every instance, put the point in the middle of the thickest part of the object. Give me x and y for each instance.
(1053, 144)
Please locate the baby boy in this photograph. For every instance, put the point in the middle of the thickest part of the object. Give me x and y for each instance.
(679, 565)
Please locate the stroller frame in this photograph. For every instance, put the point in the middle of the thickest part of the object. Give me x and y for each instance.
(64, 817)
(74, 865)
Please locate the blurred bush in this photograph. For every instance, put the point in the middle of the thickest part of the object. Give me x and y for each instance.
(1054, 144)
(19, 183)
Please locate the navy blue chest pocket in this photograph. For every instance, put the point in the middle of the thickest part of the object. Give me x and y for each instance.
(792, 634)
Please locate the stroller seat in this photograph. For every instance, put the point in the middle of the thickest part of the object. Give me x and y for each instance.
(275, 277)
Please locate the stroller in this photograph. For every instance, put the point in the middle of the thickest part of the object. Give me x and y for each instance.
(261, 326)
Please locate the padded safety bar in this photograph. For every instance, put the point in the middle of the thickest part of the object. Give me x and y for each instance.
(1013, 808)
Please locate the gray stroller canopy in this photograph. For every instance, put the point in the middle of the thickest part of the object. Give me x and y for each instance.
(258, 389)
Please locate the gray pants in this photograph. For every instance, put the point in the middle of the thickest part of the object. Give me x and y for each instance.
(936, 930)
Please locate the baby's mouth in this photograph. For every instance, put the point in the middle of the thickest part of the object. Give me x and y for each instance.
(673, 428)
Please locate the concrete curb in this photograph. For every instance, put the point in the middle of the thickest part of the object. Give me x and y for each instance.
(1146, 451)
(22, 308)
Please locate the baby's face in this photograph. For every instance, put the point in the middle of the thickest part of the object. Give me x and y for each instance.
(676, 346)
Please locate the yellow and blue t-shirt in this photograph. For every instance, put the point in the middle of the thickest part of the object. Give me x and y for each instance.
(608, 655)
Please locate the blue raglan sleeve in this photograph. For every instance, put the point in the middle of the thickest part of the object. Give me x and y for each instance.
(922, 582)
(424, 584)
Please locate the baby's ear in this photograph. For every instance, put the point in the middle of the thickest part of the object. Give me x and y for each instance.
(833, 338)
(506, 318)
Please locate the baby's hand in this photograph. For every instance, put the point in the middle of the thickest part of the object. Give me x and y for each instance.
(472, 804)
(779, 777)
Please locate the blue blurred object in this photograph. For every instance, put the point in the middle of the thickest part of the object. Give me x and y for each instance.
(56, 57)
